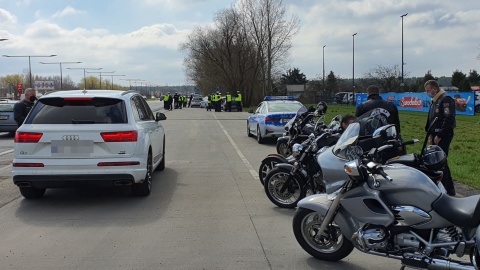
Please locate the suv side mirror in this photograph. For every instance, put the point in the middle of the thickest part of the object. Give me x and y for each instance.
(160, 116)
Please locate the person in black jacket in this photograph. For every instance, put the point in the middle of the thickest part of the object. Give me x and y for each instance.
(22, 108)
(375, 101)
(442, 107)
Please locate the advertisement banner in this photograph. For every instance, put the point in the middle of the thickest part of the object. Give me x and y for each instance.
(44, 85)
(420, 102)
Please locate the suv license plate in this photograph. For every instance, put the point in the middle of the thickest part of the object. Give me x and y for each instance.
(3, 117)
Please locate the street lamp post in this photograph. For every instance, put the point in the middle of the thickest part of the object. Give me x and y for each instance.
(112, 78)
(323, 60)
(61, 77)
(403, 84)
(29, 63)
(353, 64)
(101, 75)
(84, 77)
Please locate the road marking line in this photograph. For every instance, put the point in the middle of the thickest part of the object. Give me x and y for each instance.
(6, 152)
(240, 154)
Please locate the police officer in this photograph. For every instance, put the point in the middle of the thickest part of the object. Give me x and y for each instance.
(22, 108)
(228, 102)
(209, 102)
(442, 107)
(218, 102)
(176, 99)
(375, 101)
(238, 101)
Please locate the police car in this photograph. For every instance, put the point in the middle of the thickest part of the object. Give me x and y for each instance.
(270, 117)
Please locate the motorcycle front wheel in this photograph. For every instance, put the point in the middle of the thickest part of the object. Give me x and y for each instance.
(283, 189)
(331, 247)
(283, 149)
(267, 165)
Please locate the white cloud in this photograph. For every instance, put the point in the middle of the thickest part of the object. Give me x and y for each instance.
(7, 18)
(67, 11)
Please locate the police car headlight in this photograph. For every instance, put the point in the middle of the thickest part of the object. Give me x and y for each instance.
(296, 149)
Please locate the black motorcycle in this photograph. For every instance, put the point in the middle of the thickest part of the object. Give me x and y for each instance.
(268, 163)
(300, 126)
(287, 183)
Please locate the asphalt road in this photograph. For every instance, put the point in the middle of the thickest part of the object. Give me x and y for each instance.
(207, 210)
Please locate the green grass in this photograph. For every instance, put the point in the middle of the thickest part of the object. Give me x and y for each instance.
(464, 155)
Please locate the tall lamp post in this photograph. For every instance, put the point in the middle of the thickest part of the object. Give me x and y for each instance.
(353, 64)
(403, 84)
(323, 60)
(84, 77)
(61, 77)
(112, 78)
(29, 63)
(101, 75)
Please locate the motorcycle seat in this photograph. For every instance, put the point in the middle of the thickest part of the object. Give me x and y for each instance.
(408, 160)
(463, 212)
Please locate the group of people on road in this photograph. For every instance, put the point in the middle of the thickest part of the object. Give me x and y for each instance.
(177, 101)
(442, 108)
(215, 101)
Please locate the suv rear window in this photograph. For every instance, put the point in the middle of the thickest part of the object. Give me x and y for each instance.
(6, 107)
(78, 111)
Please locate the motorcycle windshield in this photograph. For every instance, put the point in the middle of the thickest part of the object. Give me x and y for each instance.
(347, 140)
(300, 111)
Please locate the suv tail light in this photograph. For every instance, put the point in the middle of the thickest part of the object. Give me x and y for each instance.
(27, 137)
(121, 136)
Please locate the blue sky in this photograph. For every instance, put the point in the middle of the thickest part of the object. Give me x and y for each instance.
(140, 38)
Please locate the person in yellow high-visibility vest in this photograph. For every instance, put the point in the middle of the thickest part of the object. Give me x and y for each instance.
(228, 102)
(218, 102)
(238, 101)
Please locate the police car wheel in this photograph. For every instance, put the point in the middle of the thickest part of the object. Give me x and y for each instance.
(477, 109)
(248, 131)
(259, 136)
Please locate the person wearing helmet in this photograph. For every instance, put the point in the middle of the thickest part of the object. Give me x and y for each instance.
(442, 108)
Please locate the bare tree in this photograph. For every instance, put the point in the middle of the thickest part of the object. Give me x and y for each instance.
(387, 78)
(243, 51)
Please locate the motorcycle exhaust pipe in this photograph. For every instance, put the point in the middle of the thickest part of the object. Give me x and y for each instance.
(438, 264)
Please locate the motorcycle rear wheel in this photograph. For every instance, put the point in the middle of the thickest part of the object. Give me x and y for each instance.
(267, 165)
(333, 247)
(283, 149)
(274, 182)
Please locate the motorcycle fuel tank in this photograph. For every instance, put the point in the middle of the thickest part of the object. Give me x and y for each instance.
(408, 187)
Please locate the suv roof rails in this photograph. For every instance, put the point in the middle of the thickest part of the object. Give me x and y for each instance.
(129, 91)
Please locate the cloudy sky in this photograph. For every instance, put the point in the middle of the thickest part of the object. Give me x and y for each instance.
(140, 38)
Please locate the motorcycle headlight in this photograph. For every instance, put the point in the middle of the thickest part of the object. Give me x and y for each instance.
(296, 149)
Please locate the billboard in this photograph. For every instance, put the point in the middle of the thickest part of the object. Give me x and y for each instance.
(44, 85)
(420, 102)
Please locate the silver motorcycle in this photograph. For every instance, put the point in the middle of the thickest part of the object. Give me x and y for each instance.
(393, 211)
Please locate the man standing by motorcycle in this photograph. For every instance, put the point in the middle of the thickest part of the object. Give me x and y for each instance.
(442, 107)
(375, 101)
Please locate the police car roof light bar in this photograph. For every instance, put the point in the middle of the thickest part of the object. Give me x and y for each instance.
(269, 98)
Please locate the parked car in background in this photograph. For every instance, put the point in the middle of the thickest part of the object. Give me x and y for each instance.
(88, 137)
(196, 102)
(270, 117)
(7, 123)
(204, 102)
(344, 98)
